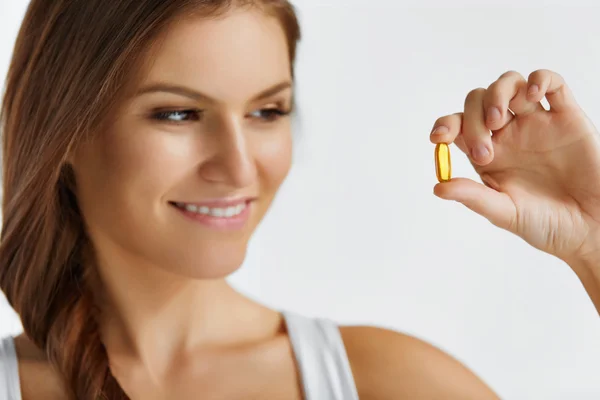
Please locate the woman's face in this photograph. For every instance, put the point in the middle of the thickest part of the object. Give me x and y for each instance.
(204, 125)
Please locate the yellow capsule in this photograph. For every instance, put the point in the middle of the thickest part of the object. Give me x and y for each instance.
(443, 166)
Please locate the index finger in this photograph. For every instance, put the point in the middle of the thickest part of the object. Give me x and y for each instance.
(446, 129)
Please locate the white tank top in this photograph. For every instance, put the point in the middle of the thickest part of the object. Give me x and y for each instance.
(318, 347)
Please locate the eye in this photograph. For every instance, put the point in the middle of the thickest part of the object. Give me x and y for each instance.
(270, 114)
(177, 116)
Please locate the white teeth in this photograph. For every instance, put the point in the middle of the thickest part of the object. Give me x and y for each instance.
(191, 208)
(217, 212)
(214, 212)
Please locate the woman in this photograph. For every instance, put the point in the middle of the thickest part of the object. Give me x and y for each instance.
(143, 143)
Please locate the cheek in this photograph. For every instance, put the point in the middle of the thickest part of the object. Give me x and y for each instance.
(123, 179)
(274, 158)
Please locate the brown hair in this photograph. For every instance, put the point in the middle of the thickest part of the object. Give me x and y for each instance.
(72, 61)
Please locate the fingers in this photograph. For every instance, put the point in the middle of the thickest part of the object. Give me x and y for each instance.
(550, 84)
(476, 134)
(448, 129)
(494, 108)
(467, 130)
(508, 93)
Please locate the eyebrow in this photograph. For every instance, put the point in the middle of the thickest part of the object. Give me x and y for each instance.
(198, 96)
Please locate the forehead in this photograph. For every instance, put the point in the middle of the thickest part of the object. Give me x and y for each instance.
(237, 54)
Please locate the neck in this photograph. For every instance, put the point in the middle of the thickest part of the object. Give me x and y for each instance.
(152, 317)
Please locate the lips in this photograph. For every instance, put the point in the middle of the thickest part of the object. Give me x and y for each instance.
(216, 203)
(219, 212)
(233, 216)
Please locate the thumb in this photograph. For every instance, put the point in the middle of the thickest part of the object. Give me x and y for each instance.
(496, 206)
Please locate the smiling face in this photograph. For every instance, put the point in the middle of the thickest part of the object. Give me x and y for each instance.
(191, 162)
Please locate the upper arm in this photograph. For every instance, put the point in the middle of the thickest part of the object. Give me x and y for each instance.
(390, 365)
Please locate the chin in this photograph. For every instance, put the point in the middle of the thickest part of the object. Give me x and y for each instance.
(212, 264)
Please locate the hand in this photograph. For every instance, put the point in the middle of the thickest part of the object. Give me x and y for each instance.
(540, 168)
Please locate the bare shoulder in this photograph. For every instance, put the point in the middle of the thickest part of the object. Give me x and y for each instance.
(38, 378)
(390, 365)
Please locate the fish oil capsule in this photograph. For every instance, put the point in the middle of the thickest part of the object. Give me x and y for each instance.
(443, 166)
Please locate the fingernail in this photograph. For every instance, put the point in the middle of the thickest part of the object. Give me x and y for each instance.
(440, 130)
(493, 114)
(480, 152)
(533, 89)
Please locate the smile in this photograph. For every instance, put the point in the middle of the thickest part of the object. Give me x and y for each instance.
(219, 212)
(224, 217)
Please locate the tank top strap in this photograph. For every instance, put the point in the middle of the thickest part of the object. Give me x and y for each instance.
(10, 386)
(321, 358)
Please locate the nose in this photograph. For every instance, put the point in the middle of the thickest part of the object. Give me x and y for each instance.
(231, 162)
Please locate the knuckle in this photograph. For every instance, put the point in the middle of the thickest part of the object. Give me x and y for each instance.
(543, 73)
(448, 121)
(475, 93)
(440, 120)
(493, 86)
(538, 74)
(510, 74)
(493, 93)
(558, 77)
